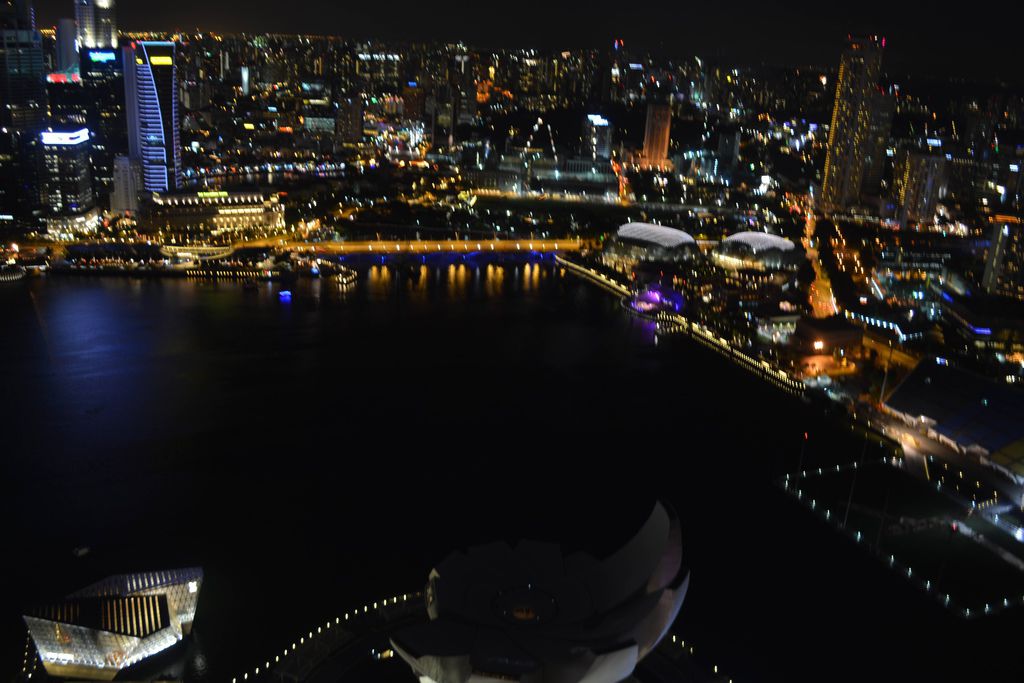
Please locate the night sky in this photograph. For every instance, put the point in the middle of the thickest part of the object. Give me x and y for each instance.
(977, 42)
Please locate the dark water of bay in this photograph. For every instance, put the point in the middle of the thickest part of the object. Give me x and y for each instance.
(315, 455)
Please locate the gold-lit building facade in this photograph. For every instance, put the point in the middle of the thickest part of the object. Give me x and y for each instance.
(850, 142)
(111, 625)
(212, 217)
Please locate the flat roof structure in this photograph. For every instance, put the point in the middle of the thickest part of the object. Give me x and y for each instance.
(967, 410)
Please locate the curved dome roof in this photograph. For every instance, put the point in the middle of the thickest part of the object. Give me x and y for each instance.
(760, 241)
(659, 235)
(535, 612)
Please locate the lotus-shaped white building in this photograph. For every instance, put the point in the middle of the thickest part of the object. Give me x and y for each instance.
(534, 614)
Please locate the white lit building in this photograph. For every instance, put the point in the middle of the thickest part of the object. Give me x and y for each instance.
(111, 625)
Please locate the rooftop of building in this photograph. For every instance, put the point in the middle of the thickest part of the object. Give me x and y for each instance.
(967, 408)
(760, 241)
(658, 235)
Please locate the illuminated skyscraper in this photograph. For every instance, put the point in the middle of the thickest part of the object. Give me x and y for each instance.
(919, 178)
(97, 24)
(883, 106)
(22, 112)
(22, 95)
(1004, 269)
(597, 138)
(68, 200)
(349, 122)
(102, 72)
(850, 142)
(151, 103)
(656, 134)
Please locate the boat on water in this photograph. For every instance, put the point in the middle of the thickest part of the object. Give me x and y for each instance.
(12, 273)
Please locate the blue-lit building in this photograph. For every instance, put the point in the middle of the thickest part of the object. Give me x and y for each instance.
(151, 101)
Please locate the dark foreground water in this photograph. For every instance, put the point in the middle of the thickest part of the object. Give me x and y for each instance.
(316, 455)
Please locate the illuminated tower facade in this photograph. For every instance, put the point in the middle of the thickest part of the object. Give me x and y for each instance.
(656, 134)
(68, 200)
(919, 178)
(151, 104)
(597, 138)
(1004, 268)
(102, 72)
(97, 23)
(850, 143)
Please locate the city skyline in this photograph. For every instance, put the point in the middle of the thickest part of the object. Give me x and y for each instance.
(747, 33)
(312, 312)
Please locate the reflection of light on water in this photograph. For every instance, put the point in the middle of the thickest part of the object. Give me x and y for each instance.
(417, 283)
(379, 277)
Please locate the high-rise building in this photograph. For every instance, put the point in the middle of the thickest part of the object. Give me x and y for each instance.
(414, 101)
(21, 74)
(596, 141)
(883, 106)
(151, 103)
(68, 202)
(850, 143)
(66, 45)
(729, 139)
(22, 112)
(349, 124)
(917, 182)
(17, 14)
(127, 185)
(97, 23)
(102, 71)
(656, 134)
(1004, 268)
(66, 101)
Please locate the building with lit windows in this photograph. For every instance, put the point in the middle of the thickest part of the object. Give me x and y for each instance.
(1004, 268)
(99, 631)
(211, 217)
(102, 74)
(597, 138)
(917, 182)
(536, 613)
(68, 201)
(22, 113)
(97, 23)
(348, 127)
(151, 102)
(850, 142)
